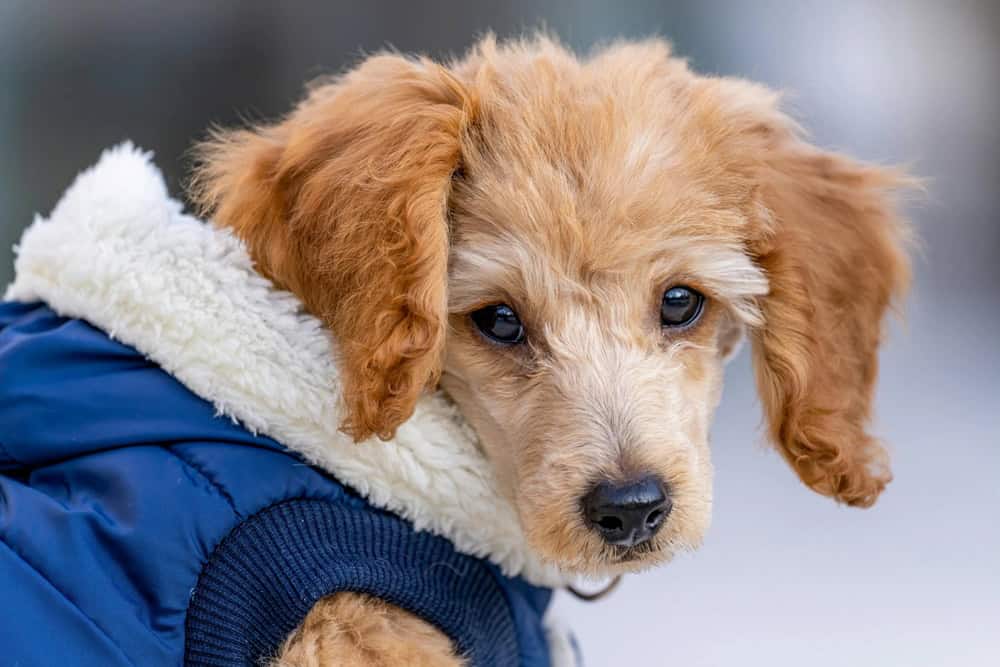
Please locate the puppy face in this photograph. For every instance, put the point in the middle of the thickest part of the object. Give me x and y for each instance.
(579, 227)
(573, 248)
(599, 391)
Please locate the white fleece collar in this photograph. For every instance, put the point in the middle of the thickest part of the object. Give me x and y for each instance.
(118, 252)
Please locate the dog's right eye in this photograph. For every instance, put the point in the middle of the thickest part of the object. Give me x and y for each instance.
(499, 323)
(680, 306)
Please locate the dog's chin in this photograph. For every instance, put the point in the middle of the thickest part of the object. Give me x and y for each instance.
(625, 561)
(592, 559)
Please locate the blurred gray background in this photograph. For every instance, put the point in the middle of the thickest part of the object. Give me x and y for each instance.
(786, 577)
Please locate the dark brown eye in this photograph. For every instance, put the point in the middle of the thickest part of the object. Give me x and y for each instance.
(499, 323)
(680, 306)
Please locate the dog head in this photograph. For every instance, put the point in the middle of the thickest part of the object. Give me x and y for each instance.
(572, 248)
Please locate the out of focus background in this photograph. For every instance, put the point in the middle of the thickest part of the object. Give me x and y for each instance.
(786, 577)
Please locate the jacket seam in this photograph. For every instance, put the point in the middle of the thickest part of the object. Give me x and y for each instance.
(6, 452)
(70, 456)
(68, 599)
(212, 482)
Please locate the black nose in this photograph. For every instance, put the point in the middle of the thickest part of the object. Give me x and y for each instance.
(627, 514)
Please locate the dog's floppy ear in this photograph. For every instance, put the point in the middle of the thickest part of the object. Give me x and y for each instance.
(833, 250)
(344, 204)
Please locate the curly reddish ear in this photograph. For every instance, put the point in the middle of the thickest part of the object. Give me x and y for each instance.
(833, 250)
(344, 204)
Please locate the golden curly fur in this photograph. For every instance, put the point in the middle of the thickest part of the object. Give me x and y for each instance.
(399, 198)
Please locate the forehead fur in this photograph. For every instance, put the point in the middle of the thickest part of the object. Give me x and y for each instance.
(598, 168)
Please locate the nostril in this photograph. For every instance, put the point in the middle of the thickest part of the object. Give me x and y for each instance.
(610, 523)
(659, 514)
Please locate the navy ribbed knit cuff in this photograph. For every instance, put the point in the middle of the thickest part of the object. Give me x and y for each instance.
(261, 581)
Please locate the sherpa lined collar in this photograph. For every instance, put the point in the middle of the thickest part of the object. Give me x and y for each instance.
(119, 253)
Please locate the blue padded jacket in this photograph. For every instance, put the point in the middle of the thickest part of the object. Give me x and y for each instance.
(139, 528)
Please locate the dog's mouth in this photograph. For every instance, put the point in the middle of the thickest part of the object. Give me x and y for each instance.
(634, 554)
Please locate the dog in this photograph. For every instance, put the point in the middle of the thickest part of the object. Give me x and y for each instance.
(571, 248)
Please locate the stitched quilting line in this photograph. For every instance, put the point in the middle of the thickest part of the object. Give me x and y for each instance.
(204, 474)
(6, 452)
(66, 597)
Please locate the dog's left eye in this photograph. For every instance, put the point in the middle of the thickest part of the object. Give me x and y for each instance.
(680, 306)
(499, 323)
